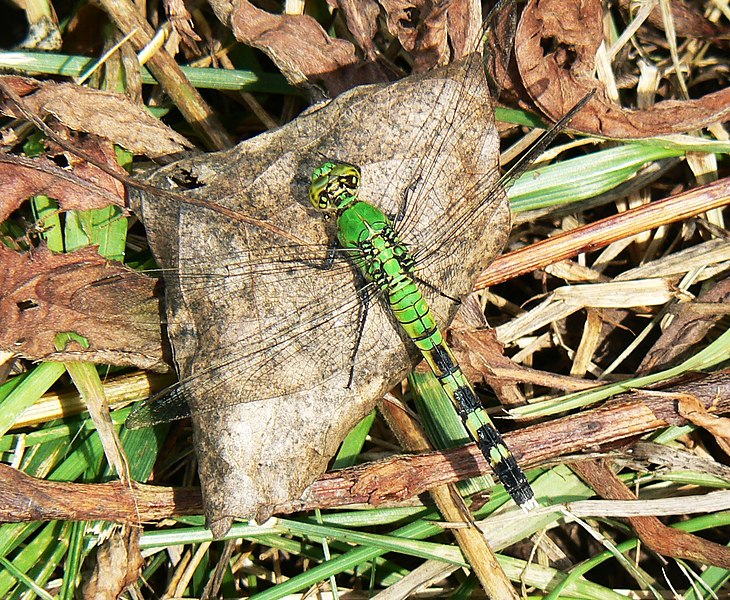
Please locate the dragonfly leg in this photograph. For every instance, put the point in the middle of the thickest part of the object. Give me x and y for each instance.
(362, 315)
(434, 289)
(400, 215)
(329, 260)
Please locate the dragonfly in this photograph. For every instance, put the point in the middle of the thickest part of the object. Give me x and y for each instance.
(306, 330)
(293, 335)
(386, 262)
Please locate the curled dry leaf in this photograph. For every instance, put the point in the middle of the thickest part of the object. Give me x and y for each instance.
(44, 293)
(688, 328)
(110, 116)
(118, 565)
(430, 30)
(298, 45)
(433, 35)
(556, 45)
(361, 17)
(693, 410)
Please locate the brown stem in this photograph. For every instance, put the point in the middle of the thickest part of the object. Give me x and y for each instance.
(606, 231)
(188, 100)
(24, 498)
(664, 540)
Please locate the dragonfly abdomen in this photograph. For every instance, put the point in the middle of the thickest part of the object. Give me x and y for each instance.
(386, 262)
(414, 315)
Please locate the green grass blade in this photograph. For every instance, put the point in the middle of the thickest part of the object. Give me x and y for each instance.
(41, 552)
(24, 580)
(74, 558)
(443, 426)
(48, 218)
(31, 388)
(219, 79)
(352, 445)
(103, 227)
(584, 177)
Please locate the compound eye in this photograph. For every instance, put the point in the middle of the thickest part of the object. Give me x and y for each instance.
(332, 184)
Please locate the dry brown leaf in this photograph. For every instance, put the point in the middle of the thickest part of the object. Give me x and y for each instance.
(182, 22)
(113, 307)
(692, 409)
(401, 20)
(433, 33)
(20, 179)
(422, 29)
(481, 353)
(118, 565)
(82, 186)
(299, 47)
(557, 78)
(306, 55)
(465, 27)
(361, 17)
(110, 116)
(687, 329)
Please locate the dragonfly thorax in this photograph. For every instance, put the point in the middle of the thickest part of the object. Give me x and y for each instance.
(334, 186)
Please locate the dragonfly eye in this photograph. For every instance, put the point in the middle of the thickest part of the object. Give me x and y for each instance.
(334, 185)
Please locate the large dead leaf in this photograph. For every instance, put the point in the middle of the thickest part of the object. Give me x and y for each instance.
(263, 338)
(113, 307)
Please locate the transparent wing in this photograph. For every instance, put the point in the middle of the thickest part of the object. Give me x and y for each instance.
(288, 325)
(280, 344)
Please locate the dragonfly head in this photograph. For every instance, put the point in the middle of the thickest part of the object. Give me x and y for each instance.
(334, 186)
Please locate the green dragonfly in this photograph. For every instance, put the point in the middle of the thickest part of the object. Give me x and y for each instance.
(386, 262)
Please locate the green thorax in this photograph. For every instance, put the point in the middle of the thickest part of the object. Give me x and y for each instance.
(382, 257)
(360, 223)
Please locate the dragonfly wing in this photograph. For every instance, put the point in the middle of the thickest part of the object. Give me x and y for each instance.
(456, 217)
(263, 337)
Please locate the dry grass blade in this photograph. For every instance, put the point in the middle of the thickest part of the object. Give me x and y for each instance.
(611, 229)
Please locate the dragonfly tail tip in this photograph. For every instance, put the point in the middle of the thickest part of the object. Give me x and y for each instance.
(529, 505)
